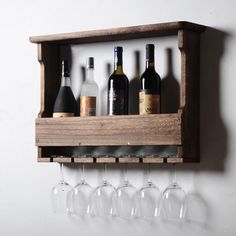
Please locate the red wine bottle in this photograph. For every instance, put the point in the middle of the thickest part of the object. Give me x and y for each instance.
(118, 87)
(150, 86)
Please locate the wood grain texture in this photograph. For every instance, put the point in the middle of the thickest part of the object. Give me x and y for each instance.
(123, 33)
(162, 129)
(48, 57)
(112, 160)
(128, 160)
(189, 45)
(105, 160)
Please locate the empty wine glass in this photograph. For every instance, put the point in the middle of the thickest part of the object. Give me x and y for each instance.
(102, 198)
(59, 195)
(173, 201)
(81, 197)
(126, 199)
(149, 199)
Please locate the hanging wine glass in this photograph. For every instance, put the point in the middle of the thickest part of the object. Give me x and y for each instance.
(173, 201)
(126, 199)
(59, 195)
(102, 198)
(81, 197)
(149, 199)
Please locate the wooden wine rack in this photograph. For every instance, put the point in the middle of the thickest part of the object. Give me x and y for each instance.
(180, 129)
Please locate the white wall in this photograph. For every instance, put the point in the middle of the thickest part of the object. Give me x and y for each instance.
(25, 184)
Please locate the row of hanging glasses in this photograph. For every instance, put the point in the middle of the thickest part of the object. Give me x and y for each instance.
(125, 201)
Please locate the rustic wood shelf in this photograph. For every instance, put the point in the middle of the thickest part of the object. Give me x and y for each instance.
(180, 129)
(162, 129)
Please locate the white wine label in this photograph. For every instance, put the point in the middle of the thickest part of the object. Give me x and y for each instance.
(148, 103)
(87, 106)
(62, 114)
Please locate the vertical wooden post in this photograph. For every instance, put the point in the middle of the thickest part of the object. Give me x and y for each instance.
(49, 59)
(189, 45)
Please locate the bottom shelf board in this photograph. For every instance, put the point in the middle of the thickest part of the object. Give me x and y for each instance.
(110, 160)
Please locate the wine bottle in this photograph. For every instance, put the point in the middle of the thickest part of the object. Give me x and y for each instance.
(89, 91)
(118, 87)
(150, 86)
(65, 104)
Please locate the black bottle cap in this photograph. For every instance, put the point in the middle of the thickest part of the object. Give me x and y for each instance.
(150, 52)
(65, 68)
(90, 62)
(118, 49)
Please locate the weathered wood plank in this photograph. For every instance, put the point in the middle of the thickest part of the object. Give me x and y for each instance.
(174, 160)
(83, 160)
(189, 45)
(44, 159)
(161, 129)
(48, 57)
(122, 33)
(106, 160)
(153, 160)
(128, 160)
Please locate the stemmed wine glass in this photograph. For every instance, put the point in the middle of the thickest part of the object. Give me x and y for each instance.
(81, 197)
(149, 199)
(126, 199)
(173, 201)
(59, 195)
(102, 198)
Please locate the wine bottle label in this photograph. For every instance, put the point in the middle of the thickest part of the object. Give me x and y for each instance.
(62, 114)
(116, 102)
(149, 103)
(87, 106)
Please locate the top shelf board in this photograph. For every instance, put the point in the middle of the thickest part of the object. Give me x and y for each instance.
(122, 33)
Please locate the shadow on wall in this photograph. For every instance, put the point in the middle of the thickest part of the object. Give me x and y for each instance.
(170, 89)
(213, 132)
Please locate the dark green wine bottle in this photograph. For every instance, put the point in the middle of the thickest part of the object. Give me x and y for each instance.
(150, 86)
(65, 104)
(118, 87)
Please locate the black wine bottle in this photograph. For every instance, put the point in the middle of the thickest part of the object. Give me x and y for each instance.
(65, 104)
(150, 86)
(118, 87)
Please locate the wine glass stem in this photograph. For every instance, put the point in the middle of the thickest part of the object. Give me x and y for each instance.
(82, 178)
(174, 179)
(126, 173)
(104, 173)
(148, 174)
(61, 173)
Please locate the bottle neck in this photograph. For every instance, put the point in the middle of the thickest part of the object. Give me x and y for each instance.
(150, 57)
(65, 81)
(150, 64)
(89, 74)
(118, 63)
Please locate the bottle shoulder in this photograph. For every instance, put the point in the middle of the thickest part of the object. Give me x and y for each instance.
(150, 74)
(89, 89)
(115, 76)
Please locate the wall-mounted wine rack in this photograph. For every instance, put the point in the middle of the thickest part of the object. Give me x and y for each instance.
(180, 129)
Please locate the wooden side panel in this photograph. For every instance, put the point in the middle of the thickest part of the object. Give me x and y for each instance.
(163, 129)
(189, 45)
(49, 59)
